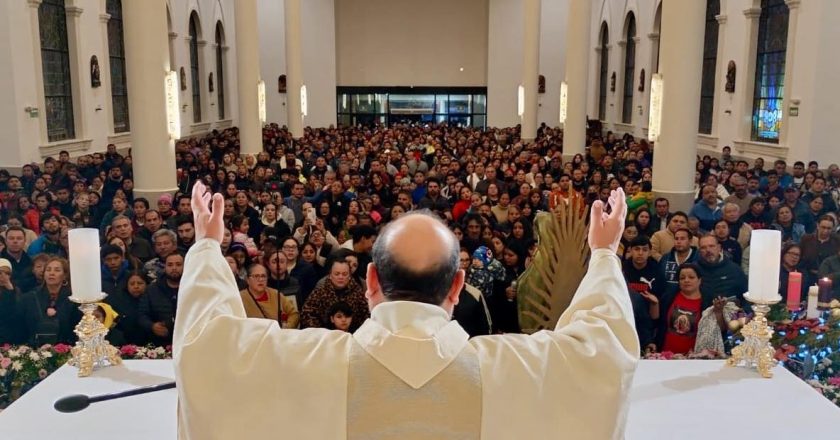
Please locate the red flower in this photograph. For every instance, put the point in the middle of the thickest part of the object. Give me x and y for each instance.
(61, 348)
(128, 350)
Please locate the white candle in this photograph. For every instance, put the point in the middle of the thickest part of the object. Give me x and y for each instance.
(85, 273)
(765, 253)
(813, 295)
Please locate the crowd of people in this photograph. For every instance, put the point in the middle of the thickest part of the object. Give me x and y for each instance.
(302, 217)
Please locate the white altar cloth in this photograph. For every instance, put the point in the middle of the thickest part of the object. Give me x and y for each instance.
(670, 399)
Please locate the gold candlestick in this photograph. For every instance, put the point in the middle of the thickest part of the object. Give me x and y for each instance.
(92, 351)
(756, 350)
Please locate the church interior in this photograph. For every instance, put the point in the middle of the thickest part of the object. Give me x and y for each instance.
(321, 123)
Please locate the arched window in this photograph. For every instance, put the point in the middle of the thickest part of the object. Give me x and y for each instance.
(116, 53)
(629, 67)
(770, 71)
(604, 74)
(220, 69)
(55, 59)
(194, 70)
(707, 82)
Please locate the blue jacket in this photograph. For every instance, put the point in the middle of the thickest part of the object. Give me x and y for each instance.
(706, 215)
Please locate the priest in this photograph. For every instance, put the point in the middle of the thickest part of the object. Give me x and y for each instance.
(408, 372)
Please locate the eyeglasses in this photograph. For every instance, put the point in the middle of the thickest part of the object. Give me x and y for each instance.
(259, 276)
(794, 254)
(289, 246)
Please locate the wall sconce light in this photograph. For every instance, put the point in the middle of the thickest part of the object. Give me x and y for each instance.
(32, 111)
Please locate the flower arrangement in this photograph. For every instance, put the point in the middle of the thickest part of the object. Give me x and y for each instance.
(22, 367)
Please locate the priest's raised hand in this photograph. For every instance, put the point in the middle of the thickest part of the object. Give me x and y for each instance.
(208, 223)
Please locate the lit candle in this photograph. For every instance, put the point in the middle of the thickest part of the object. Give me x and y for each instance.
(85, 271)
(824, 300)
(794, 291)
(813, 293)
(765, 251)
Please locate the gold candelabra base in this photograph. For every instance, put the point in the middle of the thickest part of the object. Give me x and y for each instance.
(756, 350)
(92, 351)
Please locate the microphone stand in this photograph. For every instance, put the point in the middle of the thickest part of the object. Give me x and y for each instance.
(78, 402)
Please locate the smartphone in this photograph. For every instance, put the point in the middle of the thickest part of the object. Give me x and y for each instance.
(311, 216)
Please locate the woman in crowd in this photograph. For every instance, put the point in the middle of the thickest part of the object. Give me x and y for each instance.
(791, 231)
(791, 262)
(261, 301)
(338, 286)
(642, 223)
(302, 271)
(680, 310)
(126, 302)
(49, 315)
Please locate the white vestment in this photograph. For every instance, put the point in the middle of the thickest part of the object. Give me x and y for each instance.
(407, 373)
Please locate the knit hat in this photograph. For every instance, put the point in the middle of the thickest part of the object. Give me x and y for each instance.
(165, 198)
(483, 254)
(5, 263)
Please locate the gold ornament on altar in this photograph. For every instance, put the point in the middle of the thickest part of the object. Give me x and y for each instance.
(755, 350)
(735, 325)
(835, 313)
(91, 351)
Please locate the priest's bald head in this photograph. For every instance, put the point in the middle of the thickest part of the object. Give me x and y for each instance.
(415, 258)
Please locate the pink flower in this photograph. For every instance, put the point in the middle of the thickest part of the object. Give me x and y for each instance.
(152, 354)
(5, 362)
(42, 373)
(834, 381)
(61, 348)
(128, 350)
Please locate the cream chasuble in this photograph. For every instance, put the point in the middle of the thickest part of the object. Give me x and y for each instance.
(407, 373)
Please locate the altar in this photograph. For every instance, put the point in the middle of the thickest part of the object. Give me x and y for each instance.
(670, 399)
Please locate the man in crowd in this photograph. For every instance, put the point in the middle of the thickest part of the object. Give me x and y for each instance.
(720, 277)
(160, 303)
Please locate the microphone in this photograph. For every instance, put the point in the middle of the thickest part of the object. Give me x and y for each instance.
(78, 402)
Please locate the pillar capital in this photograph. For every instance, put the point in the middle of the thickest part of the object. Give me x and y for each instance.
(33, 3)
(173, 35)
(792, 4)
(653, 36)
(752, 13)
(637, 39)
(104, 18)
(721, 19)
(73, 11)
(201, 43)
(622, 43)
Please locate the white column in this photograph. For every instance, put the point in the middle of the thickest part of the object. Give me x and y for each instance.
(530, 67)
(80, 66)
(577, 77)
(147, 62)
(681, 67)
(248, 76)
(790, 58)
(294, 68)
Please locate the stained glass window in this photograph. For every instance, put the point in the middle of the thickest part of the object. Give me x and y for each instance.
(116, 53)
(629, 67)
(220, 69)
(602, 84)
(194, 70)
(55, 59)
(707, 82)
(770, 71)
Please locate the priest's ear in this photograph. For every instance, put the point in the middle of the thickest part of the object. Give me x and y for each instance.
(374, 289)
(454, 293)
